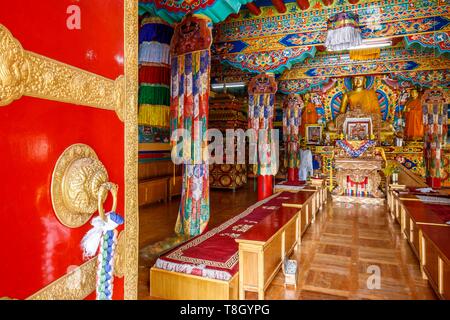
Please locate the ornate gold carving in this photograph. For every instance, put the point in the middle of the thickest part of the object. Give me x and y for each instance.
(77, 177)
(14, 68)
(357, 170)
(76, 285)
(24, 73)
(119, 257)
(131, 149)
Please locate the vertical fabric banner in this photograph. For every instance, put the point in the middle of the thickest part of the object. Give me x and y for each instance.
(261, 101)
(190, 82)
(292, 119)
(434, 102)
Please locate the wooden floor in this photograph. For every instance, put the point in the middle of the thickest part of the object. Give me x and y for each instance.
(334, 258)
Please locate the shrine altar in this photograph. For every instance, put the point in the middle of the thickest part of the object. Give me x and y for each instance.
(357, 160)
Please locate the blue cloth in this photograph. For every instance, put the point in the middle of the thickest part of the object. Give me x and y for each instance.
(155, 32)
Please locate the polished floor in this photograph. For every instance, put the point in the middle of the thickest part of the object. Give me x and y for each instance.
(340, 257)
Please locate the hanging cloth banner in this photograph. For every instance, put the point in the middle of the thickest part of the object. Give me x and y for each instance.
(437, 42)
(154, 116)
(343, 31)
(365, 54)
(154, 75)
(154, 52)
(154, 94)
(434, 103)
(190, 49)
(261, 101)
(292, 119)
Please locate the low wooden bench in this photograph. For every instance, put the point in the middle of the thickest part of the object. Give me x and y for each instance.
(428, 236)
(152, 190)
(263, 249)
(435, 258)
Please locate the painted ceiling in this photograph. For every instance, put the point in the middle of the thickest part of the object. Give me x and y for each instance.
(290, 44)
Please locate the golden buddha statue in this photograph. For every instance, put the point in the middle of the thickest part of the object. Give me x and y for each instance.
(309, 113)
(413, 117)
(360, 98)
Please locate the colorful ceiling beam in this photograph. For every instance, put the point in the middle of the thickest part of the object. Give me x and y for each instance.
(427, 79)
(438, 42)
(366, 67)
(388, 17)
(325, 65)
(174, 11)
(275, 61)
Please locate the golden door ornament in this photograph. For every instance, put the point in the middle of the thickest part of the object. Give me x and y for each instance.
(79, 186)
(76, 284)
(119, 256)
(24, 73)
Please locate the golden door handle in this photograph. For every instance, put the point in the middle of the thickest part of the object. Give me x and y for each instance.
(102, 195)
(80, 185)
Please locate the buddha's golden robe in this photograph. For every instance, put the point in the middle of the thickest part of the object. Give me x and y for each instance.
(309, 116)
(365, 100)
(413, 120)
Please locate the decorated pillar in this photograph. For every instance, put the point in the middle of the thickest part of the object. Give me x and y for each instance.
(292, 109)
(154, 80)
(261, 90)
(190, 50)
(434, 102)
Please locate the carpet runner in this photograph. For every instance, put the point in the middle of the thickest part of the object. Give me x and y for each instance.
(214, 254)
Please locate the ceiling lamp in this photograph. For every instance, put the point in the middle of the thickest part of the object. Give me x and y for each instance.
(373, 43)
(230, 85)
(343, 31)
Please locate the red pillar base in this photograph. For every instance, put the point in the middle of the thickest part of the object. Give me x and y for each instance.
(434, 183)
(292, 174)
(265, 188)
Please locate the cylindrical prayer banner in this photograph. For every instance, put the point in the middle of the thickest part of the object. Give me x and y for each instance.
(190, 50)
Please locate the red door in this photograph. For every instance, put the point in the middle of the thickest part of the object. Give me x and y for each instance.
(68, 85)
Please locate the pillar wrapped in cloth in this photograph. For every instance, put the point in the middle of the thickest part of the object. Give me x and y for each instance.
(292, 110)
(434, 103)
(261, 101)
(154, 80)
(190, 49)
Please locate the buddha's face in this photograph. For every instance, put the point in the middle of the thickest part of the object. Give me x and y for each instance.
(359, 82)
(414, 93)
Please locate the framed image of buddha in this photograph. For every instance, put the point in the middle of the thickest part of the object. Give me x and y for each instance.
(313, 134)
(358, 128)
